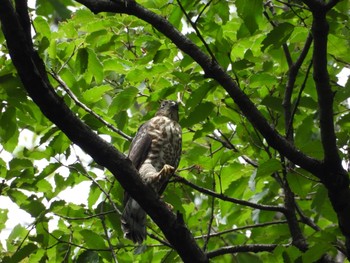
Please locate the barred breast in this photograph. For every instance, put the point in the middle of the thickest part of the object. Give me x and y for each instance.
(166, 142)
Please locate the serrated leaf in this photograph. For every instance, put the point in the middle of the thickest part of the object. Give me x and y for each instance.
(123, 100)
(16, 235)
(94, 194)
(277, 36)
(81, 61)
(8, 129)
(3, 218)
(60, 143)
(116, 65)
(93, 240)
(23, 253)
(20, 164)
(88, 257)
(268, 168)
(200, 113)
(95, 67)
(161, 55)
(250, 11)
(94, 94)
(42, 26)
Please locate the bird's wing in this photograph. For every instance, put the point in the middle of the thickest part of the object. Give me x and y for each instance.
(139, 149)
(140, 146)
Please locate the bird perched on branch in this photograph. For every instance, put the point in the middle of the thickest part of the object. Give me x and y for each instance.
(155, 151)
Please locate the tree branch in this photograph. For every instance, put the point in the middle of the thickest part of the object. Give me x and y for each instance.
(34, 78)
(243, 248)
(180, 179)
(334, 176)
(194, 26)
(86, 108)
(243, 228)
(292, 76)
(213, 70)
(325, 94)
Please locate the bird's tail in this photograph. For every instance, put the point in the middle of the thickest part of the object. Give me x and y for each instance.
(133, 221)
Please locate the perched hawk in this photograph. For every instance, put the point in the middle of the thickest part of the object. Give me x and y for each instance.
(155, 151)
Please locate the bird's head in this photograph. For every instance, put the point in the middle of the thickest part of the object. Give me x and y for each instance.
(170, 109)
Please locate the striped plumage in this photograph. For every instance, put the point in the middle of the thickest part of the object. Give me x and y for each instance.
(155, 151)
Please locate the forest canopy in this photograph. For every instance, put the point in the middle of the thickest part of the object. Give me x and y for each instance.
(263, 175)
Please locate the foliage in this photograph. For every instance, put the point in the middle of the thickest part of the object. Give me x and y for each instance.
(232, 187)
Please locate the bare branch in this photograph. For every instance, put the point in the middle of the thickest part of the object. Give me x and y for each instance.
(244, 228)
(85, 217)
(102, 218)
(194, 25)
(292, 76)
(211, 218)
(86, 108)
(242, 248)
(180, 179)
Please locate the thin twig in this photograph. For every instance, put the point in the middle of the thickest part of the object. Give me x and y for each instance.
(159, 240)
(211, 218)
(284, 45)
(87, 175)
(202, 11)
(87, 109)
(197, 32)
(243, 228)
(296, 104)
(85, 217)
(102, 218)
(242, 248)
(229, 199)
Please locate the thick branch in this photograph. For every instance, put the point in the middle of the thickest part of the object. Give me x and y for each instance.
(34, 78)
(334, 176)
(213, 70)
(325, 94)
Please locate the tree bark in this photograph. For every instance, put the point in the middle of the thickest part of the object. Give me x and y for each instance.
(32, 72)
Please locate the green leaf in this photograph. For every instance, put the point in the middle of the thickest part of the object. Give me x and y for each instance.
(81, 61)
(88, 257)
(316, 252)
(175, 17)
(94, 194)
(278, 36)
(42, 27)
(268, 168)
(23, 253)
(123, 100)
(95, 67)
(299, 184)
(322, 204)
(250, 12)
(161, 55)
(3, 218)
(93, 240)
(15, 237)
(20, 164)
(199, 113)
(60, 143)
(94, 94)
(8, 129)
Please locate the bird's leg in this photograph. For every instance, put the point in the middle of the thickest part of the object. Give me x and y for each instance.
(150, 175)
(165, 172)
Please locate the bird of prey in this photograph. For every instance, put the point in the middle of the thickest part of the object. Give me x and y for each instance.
(155, 151)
